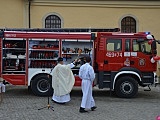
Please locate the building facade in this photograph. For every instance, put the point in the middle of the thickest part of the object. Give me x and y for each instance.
(128, 15)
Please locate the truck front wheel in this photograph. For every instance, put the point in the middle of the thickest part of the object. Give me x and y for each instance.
(41, 86)
(126, 87)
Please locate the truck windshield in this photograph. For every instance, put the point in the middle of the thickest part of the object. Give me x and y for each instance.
(143, 46)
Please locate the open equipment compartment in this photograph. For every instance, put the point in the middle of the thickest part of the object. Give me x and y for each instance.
(76, 49)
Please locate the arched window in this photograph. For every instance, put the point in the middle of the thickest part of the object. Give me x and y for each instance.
(52, 21)
(128, 25)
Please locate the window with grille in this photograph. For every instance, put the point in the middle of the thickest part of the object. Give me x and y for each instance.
(52, 21)
(128, 25)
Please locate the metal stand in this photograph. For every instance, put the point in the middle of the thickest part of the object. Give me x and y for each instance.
(48, 105)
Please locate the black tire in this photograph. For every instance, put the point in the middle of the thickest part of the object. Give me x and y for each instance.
(126, 87)
(42, 86)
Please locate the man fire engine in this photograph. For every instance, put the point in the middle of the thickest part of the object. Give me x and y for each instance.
(121, 61)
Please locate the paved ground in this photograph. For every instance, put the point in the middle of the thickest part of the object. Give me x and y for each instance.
(19, 104)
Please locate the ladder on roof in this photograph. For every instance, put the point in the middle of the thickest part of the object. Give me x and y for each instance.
(63, 29)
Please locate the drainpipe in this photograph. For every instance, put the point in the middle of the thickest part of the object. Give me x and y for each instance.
(29, 13)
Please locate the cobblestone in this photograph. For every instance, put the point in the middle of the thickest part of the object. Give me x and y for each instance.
(20, 104)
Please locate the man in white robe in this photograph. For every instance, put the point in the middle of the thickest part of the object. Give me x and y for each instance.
(62, 81)
(86, 73)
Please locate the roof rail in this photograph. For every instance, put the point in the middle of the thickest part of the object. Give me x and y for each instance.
(63, 29)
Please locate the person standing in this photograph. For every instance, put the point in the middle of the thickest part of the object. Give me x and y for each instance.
(62, 81)
(86, 73)
(2, 90)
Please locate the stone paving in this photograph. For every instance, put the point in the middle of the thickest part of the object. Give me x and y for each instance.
(21, 104)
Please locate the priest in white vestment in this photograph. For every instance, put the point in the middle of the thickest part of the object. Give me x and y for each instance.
(62, 81)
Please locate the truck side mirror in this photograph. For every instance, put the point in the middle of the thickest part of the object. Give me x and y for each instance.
(158, 41)
(154, 52)
(154, 46)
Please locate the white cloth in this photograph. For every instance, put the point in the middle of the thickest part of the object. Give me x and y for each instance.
(86, 73)
(2, 88)
(61, 99)
(62, 82)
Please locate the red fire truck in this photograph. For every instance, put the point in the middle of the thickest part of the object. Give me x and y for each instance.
(121, 61)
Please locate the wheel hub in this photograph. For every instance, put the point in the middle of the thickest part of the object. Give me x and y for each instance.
(42, 85)
(127, 88)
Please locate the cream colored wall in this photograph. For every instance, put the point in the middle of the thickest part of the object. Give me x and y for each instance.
(97, 16)
(82, 14)
(11, 12)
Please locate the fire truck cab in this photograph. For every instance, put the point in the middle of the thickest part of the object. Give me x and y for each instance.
(124, 60)
(121, 61)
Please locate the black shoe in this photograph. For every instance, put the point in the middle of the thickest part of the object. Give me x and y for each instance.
(62, 103)
(93, 108)
(82, 110)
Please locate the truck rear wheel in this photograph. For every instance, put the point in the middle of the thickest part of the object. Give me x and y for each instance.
(42, 86)
(126, 87)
